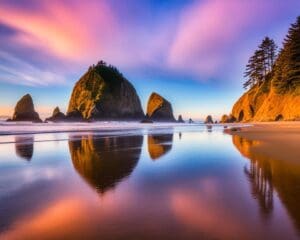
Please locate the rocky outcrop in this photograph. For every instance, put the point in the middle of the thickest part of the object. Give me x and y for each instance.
(159, 109)
(191, 120)
(24, 110)
(57, 116)
(263, 103)
(180, 119)
(209, 120)
(102, 93)
(227, 119)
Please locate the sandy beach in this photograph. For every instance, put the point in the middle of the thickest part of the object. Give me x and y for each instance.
(277, 140)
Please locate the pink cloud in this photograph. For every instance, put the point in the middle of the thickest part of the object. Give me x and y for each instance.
(66, 31)
(209, 31)
(84, 33)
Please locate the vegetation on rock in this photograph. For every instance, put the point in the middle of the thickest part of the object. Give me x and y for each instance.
(274, 83)
(103, 93)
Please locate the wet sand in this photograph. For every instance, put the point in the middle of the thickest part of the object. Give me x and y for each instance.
(277, 140)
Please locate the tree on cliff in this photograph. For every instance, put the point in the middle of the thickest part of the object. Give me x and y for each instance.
(261, 63)
(287, 67)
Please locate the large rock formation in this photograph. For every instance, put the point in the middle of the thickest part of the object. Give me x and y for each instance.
(159, 109)
(102, 93)
(24, 110)
(57, 116)
(263, 103)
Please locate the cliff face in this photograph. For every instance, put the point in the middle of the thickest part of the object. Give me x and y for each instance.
(264, 103)
(275, 81)
(103, 93)
(159, 109)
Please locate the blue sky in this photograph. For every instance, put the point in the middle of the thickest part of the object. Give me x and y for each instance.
(191, 52)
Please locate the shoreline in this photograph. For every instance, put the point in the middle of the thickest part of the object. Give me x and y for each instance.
(272, 140)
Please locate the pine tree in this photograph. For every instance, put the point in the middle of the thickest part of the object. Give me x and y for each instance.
(261, 63)
(287, 68)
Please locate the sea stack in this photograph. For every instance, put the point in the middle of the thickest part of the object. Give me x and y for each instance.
(209, 120)
(24, 110)
(180, 119)
(103, 93)
(159, 109)
(57, 116)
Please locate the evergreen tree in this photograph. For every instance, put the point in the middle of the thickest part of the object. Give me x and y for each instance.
(287, 67)
(261, 63)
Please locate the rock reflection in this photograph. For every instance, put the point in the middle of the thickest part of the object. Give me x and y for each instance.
(104, 162)
(267, 174)
(159, 145)
(24, 146)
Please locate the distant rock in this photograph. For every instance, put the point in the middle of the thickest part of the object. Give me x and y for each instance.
(191, 120)
(180, 119)
(24, 110)
(57, 116)
(228, 119)
(159, 109)
(209, 120)
(102, 93)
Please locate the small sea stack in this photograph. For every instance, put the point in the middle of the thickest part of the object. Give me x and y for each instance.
(180, 119)
(57, 116)
(159, 109)
(209, 120)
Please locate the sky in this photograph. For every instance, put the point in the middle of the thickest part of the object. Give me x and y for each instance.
(192, 52)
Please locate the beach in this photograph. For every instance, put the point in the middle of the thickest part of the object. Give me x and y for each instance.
(279, 140)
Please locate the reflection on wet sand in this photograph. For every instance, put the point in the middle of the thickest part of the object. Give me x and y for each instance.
(266, 173)
(24, 146)
(103, 162)
(159, 145)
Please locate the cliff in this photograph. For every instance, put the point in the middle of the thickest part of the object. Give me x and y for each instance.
(264, 103)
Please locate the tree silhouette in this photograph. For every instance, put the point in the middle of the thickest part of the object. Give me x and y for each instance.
(261, 63)
(287, 67)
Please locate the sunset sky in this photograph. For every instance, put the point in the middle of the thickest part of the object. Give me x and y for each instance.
(191, 52)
